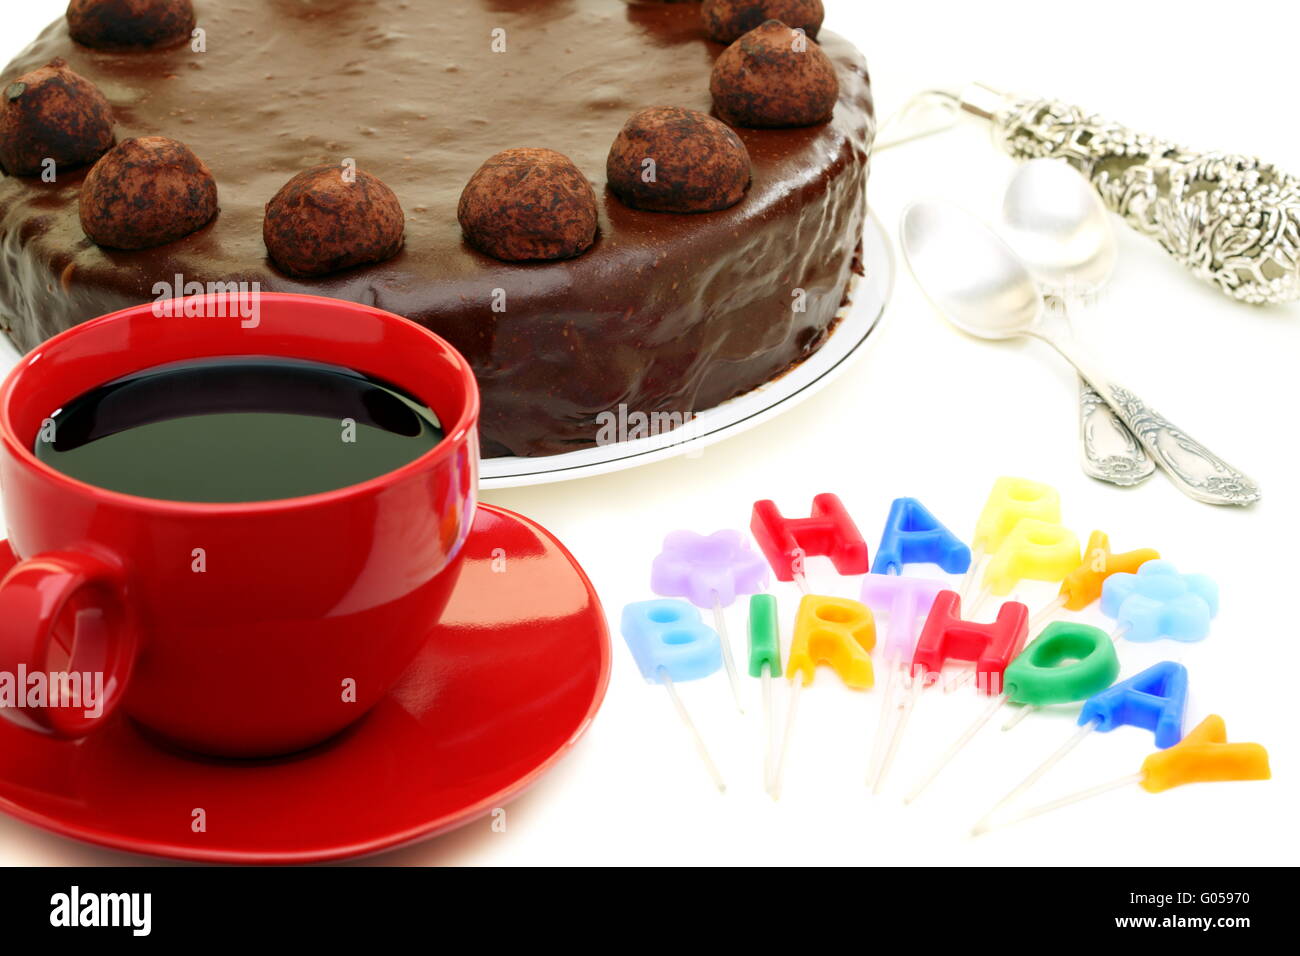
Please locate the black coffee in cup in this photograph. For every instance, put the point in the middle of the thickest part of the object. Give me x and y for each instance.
(239, 428)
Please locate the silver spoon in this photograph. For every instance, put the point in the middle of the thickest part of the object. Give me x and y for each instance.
(983, 289)
(1062, 232)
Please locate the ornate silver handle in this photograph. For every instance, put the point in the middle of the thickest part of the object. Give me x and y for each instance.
(1109, 451)
(1232, 220)
(1196, 470)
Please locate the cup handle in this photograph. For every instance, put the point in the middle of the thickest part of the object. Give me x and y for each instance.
(64, 629)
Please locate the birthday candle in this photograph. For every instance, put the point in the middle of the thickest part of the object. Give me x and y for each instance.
(710, 571)
(765, 663)
(1203, 756)
(1035, 551)
(1067, 662)
(670, 644)
(828, 532)
(1154, 700)
(1159, 602)
(834, 631)
(947, 637)
(906, 601)
(912, 535)
(1082, 586)
(1010, 501)
(1156, 602)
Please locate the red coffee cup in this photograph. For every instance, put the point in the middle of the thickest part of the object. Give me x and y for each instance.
(230, 629)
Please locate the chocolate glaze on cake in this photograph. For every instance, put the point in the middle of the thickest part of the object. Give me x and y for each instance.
(664, 313)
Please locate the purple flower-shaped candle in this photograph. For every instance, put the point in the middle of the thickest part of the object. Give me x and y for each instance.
(708, 570)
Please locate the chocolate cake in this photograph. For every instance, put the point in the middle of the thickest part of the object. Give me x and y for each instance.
(665, 312)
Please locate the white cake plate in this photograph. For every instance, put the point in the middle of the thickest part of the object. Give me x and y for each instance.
(868, 297)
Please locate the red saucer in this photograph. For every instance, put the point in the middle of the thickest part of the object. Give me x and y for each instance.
(509, 680)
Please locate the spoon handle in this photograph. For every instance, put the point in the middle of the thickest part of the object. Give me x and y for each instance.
(1197, 471)
(1109, 450)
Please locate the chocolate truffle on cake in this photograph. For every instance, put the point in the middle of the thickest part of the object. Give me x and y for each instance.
(772, 77)
(667, 159)
(664, 312)
(146, 192)
(54, 114)
(526, 204)
(127, 24)
(727, 20)
(332, 217)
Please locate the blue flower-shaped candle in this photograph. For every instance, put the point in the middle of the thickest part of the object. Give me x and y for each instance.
(1159, 602)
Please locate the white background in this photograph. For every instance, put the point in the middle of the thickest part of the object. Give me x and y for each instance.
(931, 414)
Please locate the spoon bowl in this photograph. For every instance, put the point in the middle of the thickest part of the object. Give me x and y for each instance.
(973, 278)
(984, 289)
(1059, 227)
